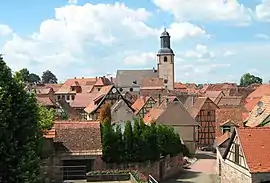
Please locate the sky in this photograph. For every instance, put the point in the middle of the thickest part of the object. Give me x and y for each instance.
(213, 40)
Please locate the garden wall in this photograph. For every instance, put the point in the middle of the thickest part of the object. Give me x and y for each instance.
(160, 170)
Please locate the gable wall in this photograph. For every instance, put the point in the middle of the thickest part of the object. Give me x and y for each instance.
(230, 171)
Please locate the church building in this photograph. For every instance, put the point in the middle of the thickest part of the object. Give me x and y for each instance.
(130, 80)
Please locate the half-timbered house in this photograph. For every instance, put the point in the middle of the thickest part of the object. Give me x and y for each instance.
(107, 94)
(143, 105)
(246, 158)
(204, 112)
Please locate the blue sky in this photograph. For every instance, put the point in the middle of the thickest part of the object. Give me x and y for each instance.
(216, 42)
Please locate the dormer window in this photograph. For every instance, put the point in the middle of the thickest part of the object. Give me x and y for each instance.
(226, 129)
(135, 82)
(165, 59)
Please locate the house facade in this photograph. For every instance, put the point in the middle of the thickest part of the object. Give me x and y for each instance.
(175, 115)
(246, 158)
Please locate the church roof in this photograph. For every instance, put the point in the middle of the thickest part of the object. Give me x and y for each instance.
(132, 78)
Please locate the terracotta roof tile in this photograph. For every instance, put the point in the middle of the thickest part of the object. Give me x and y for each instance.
(55, 87)
(49, 134)
(251, 103)
(82, 100)
(102, 81)
(256, 146)
(45, 101)
(139, 103)
(80, 82)
(78, 137)
(232, 114)
(221, 139)
(153, 114)
(256, 119)
(44, 90)
(213, 94)
(197, 106)
(93, 105)
(230, 101)
(263, 90)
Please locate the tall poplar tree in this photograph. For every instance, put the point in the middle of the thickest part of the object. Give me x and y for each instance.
(20, 132)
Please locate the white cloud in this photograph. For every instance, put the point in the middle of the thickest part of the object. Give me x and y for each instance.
(140, 59)
(210, 10)
(182, 30)
(5, 30)
(262, 36)
(201, 52)
(72, 36)
(263, 10)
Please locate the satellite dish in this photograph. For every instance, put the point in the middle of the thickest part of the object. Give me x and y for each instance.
(260, 104)
(259, 110)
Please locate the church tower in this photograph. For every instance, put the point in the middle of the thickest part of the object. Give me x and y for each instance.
(165, 58)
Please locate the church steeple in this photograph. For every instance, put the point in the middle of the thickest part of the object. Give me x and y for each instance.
(165, 43)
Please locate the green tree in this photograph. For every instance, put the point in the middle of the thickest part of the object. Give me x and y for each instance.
(46, 117)
(48, 77)
(20, 132)
(137, 141)
(34, 78)
(248, 79)
(119, 145)
(128, 141)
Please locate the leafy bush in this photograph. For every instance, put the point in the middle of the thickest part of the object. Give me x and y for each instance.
(140, 143)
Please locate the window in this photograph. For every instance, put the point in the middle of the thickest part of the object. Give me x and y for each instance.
(68, 97)
(226, 129)
(72, 88)
(236, 155)
(98, 89)
(165, 59)
(131, 89)
(58, 97)
(121, 89)
(165, 81)
(72, 97)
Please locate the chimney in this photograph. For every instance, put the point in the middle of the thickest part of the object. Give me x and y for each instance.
(74, 77)
(96, 78)
(111, 78)
(192, 100)
(159, 99)
(82, 77)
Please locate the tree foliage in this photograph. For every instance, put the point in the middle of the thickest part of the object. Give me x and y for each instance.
(105, 113)
(20, 132)
(248, 79)
(25, 76)
(46, 117)
(48, 77)
(139, 143)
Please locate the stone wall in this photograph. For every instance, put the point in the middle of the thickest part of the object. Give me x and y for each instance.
(160, 170)
(231, 173)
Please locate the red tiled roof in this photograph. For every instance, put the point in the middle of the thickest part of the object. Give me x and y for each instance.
(55, 87)
(82, 100)
(251, 103)
(49, 134)
(139, 103)
(45, 101)
(93, 105)
(256, 146)
(80, 82)
(221, 139)
(263, 90)
(78, 137)
(153, 114)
